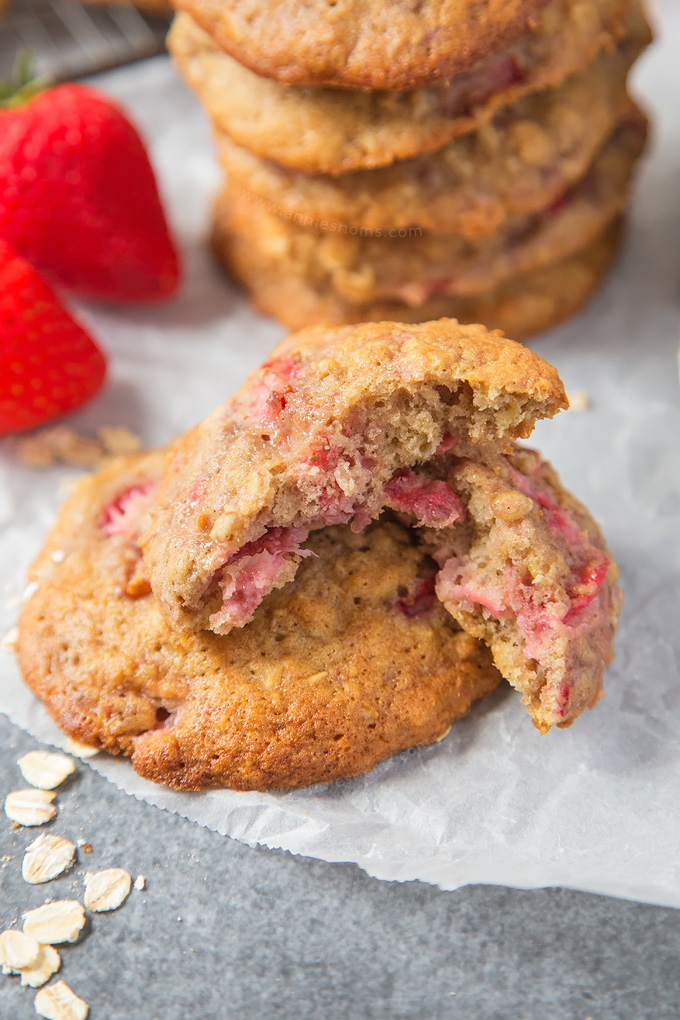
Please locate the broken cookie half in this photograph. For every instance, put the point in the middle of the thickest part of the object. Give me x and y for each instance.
(330, 430)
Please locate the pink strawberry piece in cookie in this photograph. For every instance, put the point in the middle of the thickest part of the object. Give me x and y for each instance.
(258, 568)
(270, 393)
(433, 503)
(530, 574)
(336, 426)
(474, 88)
(422, 599)
(271, 561)
(123, 514)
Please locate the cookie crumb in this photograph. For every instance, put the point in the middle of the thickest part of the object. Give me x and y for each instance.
(30, 807)
(46, 858)
(62, 444)
(106, 890)
(58, 1002)
(578, 400)
(46, 769)
(84, 846)
(118, 440)
(140, 883)
(54, 923)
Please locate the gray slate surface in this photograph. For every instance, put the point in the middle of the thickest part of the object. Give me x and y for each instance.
(224, 931)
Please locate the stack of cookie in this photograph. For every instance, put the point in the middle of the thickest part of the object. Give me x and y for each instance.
(391, 160)
(332, 567)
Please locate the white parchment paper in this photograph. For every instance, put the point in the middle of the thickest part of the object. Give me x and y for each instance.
(595, 807)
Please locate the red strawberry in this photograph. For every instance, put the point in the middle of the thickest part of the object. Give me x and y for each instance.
(48, 363)
(78, 197)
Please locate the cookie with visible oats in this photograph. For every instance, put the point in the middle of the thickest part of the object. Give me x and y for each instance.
(410, 266)
(516, 165)
(367, 44)
(353, 662)
(527, 304)
(324, 130)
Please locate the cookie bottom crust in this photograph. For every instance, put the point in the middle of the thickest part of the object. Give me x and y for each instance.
(524, 306)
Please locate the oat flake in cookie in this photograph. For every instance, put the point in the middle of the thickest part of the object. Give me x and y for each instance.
(354, 661)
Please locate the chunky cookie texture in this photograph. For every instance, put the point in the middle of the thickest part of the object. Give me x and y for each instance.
(411, 266)
(353, 662)
(373, 44)
(328, 431)
(333, 131)
(528, 572)
(523, 306)
(518, 164)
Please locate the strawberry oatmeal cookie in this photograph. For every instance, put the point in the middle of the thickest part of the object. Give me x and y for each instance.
(355, 661)
(516, 165)
(524, 306)
(369, 44)
(341, 425)
(408, 266)
(333, 567)
(335, 131)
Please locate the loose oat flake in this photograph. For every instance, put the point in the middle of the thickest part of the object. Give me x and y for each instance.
(140, 883)
(46, 769)
(10, 640)
(106, 890)
(58, 1002)
(82, 751)
(47, 964)
(46, 858)
(30, 807)
(578, 400)
(17, 950)
(53, 923)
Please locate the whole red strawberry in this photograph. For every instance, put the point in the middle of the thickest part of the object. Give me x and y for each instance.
(48, 363)
(79, 200)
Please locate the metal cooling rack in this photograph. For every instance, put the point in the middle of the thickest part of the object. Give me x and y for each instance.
(68, 40)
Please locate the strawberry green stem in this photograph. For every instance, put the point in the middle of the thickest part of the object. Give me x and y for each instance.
(23, 85)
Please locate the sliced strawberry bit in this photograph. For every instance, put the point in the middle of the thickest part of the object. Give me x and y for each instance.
(473, 89)
(340, 480)
(555, 518)
(562, 697)
(325, 458)
(421, 600)
(434, 503)
(453, 586)
(123, 514)
(197, 490)
(276, 541)
(586, 588)
(270, 394)
(448, 442)
(254, 571)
